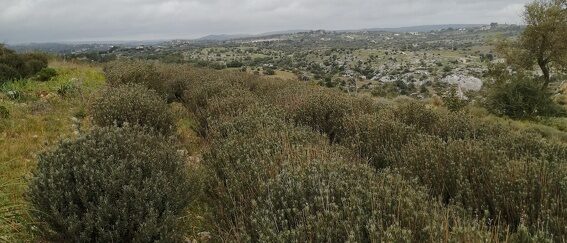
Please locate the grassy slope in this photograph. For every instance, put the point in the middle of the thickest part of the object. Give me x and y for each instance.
(35, 124)
(38, 120)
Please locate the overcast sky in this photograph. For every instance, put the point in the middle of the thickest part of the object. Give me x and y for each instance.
(24, 21)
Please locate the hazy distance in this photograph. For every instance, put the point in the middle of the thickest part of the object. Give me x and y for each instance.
(23, 21)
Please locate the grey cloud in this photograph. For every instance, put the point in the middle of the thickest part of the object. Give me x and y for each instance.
(59, 20)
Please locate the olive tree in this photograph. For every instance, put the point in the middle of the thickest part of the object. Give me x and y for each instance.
(542, 43)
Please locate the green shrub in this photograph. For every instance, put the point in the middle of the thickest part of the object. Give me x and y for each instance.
(334, 201)
(519, 96)
(269, 71)
(415, 113)
(242, 157)
(270, 173)
(168, 80)
(529, 144)
(139, 72)
(46, 74)
(451, 169)
(250, 121)
(288, 95)
(133, 104)
(4, 113)
(111, 185)
(323, 112)
(14, 66)
(270, 181)
(463, 125)
(198, 100)
(34, 66)
(375, 137)
(319, 108)
(453, 101)
(8, 73)
(40, 60)
(231, 102)
(67, 89)
(386, 90)
(234, 64)
(228, 104)
(501, 178)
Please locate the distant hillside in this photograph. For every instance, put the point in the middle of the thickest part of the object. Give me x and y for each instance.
(226, 37)
(283, 32)
(423, 28)
(223, 37)
(69, 47)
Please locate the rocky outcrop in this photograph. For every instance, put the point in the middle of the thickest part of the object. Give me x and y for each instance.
(465, 83)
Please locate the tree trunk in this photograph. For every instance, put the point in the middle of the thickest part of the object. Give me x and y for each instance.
(543, 62)
(545, 70)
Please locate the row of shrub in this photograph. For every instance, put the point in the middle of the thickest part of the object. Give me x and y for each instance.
(382, 136)
(270, 180)
(292, 162)
(16, 66)
(515, 179)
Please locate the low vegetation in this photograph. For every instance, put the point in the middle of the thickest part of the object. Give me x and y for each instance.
(312, 158)
(173, 153)
(132, 104)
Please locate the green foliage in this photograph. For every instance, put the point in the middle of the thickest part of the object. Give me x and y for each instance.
(455, 161)
(322, 111)
(111, 185)
(318, 108)
(519, 96)
(442, 166)
(269, 71)
(386, 90)
(234, 64)
(8, 73)
(453, 102)
(526, 181)
(270, 181)
(247, 150)
(4, 113)
(39, 67)
(257, 153)
(415, 113)
(67, 89)
(14, 94)
(270, 173)
(327, 201)
(542, 43)
(375, 137)
(229, 104)
(140, 72)
(214, 99)
(463, 125)
(167, 80)
(132, 104)
(45, 74)
(15, 66)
